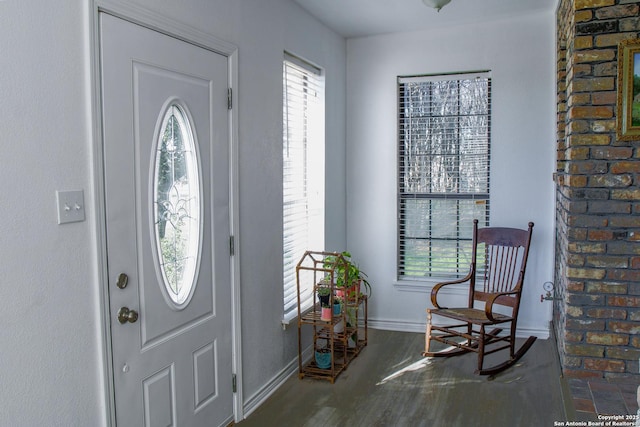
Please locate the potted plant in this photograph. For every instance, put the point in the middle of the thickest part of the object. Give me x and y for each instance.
(323, 357)
(348, 275)
(337, 306)
(324, 295)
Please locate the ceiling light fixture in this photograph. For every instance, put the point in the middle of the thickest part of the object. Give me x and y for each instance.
(436, 4)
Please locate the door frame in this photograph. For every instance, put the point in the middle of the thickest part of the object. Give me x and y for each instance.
(162, 24)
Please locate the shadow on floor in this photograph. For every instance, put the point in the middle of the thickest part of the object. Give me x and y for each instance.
(391, 384)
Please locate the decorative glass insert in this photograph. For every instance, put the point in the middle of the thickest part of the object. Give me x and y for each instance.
(177, 205)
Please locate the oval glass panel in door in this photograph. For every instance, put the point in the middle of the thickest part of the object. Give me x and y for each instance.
(177, 205)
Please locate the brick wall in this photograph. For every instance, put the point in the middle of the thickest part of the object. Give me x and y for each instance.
(597, 315)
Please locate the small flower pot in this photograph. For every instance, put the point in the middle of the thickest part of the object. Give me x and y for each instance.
(337, 309)
(326, 314)
(323, 359)
(324, 299)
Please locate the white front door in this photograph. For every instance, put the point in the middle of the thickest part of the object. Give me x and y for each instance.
(166, 151)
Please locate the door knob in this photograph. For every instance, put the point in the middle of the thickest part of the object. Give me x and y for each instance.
(125, 315)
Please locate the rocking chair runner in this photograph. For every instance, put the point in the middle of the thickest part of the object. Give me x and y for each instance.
(501, 266)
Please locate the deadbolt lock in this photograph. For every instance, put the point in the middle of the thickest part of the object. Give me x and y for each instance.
(125, 315)
(123, 279)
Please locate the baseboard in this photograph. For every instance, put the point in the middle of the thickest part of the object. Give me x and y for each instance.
(257, 399)
(404, 326)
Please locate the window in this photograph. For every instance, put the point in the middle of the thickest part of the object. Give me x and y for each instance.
(303, 174)
(443, 165)
(177, 205)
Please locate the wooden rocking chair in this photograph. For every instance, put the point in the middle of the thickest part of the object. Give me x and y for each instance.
(495, 279)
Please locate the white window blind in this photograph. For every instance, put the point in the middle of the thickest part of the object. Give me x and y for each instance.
(444, 125)
(303, 174)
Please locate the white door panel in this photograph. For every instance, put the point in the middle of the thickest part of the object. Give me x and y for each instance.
(173, 364)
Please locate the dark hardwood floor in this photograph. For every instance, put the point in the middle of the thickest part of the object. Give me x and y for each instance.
(391, 384)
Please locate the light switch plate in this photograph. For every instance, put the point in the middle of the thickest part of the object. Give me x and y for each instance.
(70, 206)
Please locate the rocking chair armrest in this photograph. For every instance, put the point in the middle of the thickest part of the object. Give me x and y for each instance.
(488, 308)
(438, 286)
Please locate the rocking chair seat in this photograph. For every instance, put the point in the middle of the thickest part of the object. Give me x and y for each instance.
(472, 315)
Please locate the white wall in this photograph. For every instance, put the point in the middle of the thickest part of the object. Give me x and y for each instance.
(50, 335)
(520, 53)
(49, 350)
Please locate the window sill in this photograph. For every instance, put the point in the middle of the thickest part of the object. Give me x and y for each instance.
(424, 287)
(291, 317)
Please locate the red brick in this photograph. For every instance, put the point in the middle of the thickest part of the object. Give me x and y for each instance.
(623, 248)
(589, 139)
(572, 361)
(629, 24)
(607, 338)
(624, 167)
(620, 11)
(603, 125)
(590, 4)
(595, 55)
(605, 40)
(627, 301)
(594, 84)
(584, 350)
(607, 313)
(586, 273)
(577, 153)
(586, 325)
(606, 288)
(604, 98)
(624, 275)
(625, 327)
(578, 126)
(575, 260)
(610, 181)
(625, 222)
(625, 194)
(580, 98)
(605, 69)
(610, 261)
(573, 311)
(583, 16)
(604, 365)
(622, 353)
(600, 235)
(583, 42)
(573, 286)
(573, 336)
(614, 153)
(597, 112)
(581, 70)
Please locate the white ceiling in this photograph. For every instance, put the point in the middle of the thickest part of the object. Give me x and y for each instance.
(358, 18)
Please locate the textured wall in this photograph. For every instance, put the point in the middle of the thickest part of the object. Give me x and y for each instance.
(598, 201)
(51, 342)
(519, 51)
